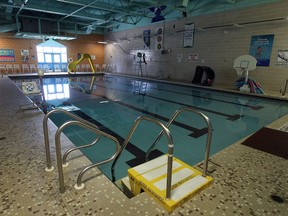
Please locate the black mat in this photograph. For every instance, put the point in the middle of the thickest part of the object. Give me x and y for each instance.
(269, 140)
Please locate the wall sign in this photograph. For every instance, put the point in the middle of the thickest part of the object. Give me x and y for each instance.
(7, 55)
(24, 55)
(146, 38)
(282, 58)
(24, 52)
(179, 57)
(261, 48)
(188, 38)
(193, 57)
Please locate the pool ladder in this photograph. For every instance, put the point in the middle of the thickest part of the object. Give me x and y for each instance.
(85, 124)
(182, 180)
(284, 85)
(63, 162)
(165, 131)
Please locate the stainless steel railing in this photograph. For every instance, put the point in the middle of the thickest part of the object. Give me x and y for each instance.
(170, 150)
(208, 141)
(46, 137)
(284, 84)
(65, 155)
(80, 184)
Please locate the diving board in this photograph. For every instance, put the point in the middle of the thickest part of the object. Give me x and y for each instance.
(151, 177)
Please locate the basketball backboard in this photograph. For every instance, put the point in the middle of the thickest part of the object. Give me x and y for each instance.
(246, 62)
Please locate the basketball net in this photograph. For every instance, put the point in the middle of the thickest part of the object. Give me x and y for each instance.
(240, 71)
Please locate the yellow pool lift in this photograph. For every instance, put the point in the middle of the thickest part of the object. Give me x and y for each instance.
(72, 65)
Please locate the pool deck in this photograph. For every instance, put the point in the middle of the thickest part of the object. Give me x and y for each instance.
(244, 178)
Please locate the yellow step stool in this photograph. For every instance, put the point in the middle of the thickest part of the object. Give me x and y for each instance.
(151, 177)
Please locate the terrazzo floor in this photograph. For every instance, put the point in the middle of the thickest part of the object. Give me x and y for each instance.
(244, 178)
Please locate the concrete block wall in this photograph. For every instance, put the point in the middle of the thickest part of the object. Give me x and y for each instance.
(214, 47)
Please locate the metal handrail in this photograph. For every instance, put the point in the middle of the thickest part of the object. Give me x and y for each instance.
(284, 84)
(170, 150)
(208, 141)
(65, 155)
(46, 138)
(79, 184)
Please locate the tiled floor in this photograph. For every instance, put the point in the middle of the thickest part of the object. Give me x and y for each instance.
(244, 178)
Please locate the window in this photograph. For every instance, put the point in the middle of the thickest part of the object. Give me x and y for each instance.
(47, 49)
(48, 58)
(40, 56)
(64, 57)
(51, 52)
(57, 58)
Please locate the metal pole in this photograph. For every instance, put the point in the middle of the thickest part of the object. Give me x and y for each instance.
(59, 157)
(169, 171)
(208, 145)
(284, 84)
(49, 167)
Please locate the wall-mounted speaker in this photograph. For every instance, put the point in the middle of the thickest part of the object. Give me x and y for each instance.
(159, 38)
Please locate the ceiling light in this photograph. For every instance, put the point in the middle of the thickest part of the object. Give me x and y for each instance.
(106, 101)
(42, 36)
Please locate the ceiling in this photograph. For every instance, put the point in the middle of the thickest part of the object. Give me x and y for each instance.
(64, 17)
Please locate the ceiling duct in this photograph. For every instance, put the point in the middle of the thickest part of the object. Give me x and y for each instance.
(20, 2)
(8, 27)
(182, 5)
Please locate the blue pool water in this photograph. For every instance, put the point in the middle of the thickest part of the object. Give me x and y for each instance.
(113, 103)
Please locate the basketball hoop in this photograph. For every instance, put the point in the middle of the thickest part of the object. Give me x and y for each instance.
(244, 64)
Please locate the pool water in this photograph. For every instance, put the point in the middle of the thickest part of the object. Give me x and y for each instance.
(113, 103)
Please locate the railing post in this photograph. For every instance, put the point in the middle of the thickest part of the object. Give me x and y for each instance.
(284, 92)
(49, 167)
(59, 157)
(284, 84)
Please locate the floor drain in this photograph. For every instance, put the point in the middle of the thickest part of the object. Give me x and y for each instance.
(277, 198)
(2, 138)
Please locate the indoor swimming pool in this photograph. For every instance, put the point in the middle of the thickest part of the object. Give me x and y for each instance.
(113, 103)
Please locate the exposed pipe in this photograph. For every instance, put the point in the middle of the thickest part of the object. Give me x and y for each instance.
(17, 15)
(101, 8)
(50, 11)
(83, 7)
